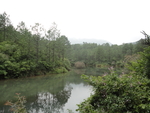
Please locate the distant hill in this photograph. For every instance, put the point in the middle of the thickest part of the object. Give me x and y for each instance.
(80, 41)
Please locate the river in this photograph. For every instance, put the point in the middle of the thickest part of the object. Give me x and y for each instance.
(50, 93)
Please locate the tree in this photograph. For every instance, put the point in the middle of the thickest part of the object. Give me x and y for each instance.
(64, 46)
(49, 36)
(4, 23)
(24, 40)
(53, 34)
(147, 38)
(139, 46)
(37, 31)
(25, 52)
(107, 52)
(99, 54)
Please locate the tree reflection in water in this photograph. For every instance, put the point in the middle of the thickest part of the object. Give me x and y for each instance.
(50, 103)
(47, 94)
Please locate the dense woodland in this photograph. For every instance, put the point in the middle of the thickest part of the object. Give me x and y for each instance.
(25, 52)
(92, 53)
(36, 51)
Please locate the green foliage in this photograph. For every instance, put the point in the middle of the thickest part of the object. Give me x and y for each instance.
(92, 54)
(60, 70)
(142, 65)
(127, 93)
(18, 106)
(70, 111)
(67, 64)
(25, 53)
(115, 94)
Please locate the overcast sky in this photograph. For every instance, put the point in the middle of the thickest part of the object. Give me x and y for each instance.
(117, 21)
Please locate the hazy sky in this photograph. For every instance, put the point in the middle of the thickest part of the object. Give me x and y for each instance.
(117, 21)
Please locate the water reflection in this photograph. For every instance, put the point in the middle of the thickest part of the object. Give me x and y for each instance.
(50, 103)
(79, 93)
(47, 94)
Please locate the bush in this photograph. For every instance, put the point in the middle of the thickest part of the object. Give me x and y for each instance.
(142, 65)
(67, 64)
(80, 65)
(18, 106)
(116, 94)
(60, 70)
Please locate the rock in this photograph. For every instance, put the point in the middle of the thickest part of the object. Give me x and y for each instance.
(80, 65)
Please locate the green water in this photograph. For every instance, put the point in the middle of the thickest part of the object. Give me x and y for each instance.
(50, 93)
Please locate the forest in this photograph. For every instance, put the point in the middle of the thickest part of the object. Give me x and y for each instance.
(36, 51)
(25, 52)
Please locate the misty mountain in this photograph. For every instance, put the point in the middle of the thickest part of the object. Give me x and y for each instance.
(80, 41)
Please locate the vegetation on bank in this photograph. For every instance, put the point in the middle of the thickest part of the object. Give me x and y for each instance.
(115, 94)
(18, 106)
(25, 52)
(126, 93)
(106, 54)
(36, 51)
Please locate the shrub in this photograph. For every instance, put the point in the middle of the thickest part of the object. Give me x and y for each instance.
(116, 94)
(142, 65)
(67, 64)
(60, 70)
(18, 106)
